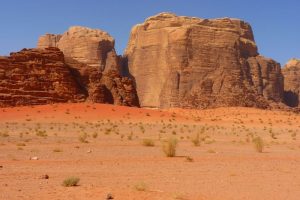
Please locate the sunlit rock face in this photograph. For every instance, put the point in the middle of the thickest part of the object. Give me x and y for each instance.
(179, 61)
(91, 56)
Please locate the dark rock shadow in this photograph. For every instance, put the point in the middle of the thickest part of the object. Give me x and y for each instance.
(291, 98)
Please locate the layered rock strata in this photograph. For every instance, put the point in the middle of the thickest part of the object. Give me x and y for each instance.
(35, 76)
(191, 62)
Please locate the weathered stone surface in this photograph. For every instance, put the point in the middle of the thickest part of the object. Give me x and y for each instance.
(267, 77)
(92, 47)
(91, 55)
(121, 89)
(41, 76)
(48, 40)
(291, 73)
(199, 63)
(35, 76)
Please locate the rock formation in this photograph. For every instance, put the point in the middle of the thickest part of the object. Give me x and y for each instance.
(91, 56)
(190, 62)
(41, 76)
(92, 47)
(48, 40)
(291, 73)
(35, 76)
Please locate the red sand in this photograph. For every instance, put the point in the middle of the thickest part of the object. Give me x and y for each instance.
(225, 166)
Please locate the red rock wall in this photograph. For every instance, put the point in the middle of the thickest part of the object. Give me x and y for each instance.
(34, 76)
(41, 76)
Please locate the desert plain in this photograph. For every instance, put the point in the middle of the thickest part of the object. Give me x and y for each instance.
(117, 153)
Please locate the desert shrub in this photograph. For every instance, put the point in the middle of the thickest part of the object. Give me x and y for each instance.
(258, 144)
(21, 144)
(148, 142)
(83, 138)
(140, 186)
(196, 140)
(57, 150)
(169, 147)
(211, 151)
(95, 135)
(130, 136)
(189, 159)
(71, 181)
(41, 133)
(4, 134)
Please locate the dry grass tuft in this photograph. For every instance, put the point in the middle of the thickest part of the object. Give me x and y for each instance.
(169, 147)
(258, 144)
(71, 181)
(148, 142)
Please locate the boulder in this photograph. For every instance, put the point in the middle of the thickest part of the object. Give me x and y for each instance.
(179, 61)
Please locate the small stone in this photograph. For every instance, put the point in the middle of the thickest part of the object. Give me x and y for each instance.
(89, 151)
(34, 158)
(45, 176)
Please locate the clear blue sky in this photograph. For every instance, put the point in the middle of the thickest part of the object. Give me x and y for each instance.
(276, 23)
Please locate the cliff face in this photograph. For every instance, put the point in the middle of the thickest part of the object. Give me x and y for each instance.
(35, 76)
(199, 63)
(173, 61)
(92, 58)
(291, 72)
(91, 47)
(41, 76)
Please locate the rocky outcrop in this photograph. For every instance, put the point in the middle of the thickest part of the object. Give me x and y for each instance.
(291, 73)
(35, 76)
(92, 47)
(41, 76)
(190, 62)
(48, 40)
(120, 90)
(91, 56)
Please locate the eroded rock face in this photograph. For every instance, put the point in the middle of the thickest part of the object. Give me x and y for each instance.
(93, 60)
(48, 40)
(199, 63)
(92, 47)
(35, 76)
(41, 76)
(291, 73)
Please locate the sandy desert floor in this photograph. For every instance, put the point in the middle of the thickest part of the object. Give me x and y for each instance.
(104, 146)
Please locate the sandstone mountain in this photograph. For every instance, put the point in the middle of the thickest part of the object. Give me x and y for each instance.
(291, 72)
(170, 61)
(91, 55)
(181, 61)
